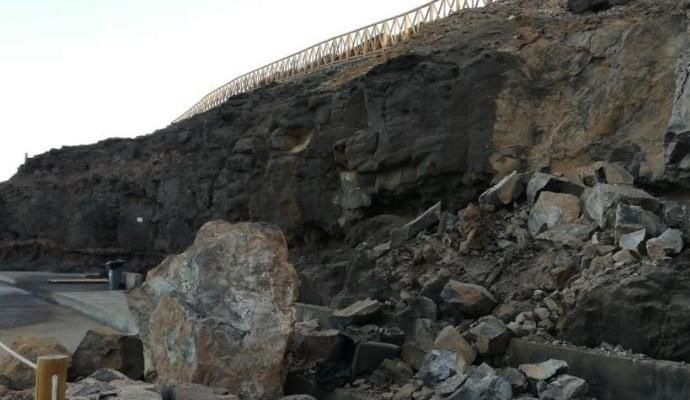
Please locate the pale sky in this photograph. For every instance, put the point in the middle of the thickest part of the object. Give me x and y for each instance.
(79, 71)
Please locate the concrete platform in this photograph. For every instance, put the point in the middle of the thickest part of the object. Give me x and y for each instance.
(24, 314)
(92, 300)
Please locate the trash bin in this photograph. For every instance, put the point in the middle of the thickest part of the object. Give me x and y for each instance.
(115, 269)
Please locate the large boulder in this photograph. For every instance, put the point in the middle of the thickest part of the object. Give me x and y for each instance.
(221, 313)
(551, 210)
(541, 182)
(104, 348)
(669, 242)
(602, 200)
(18, 376)
(469, 299)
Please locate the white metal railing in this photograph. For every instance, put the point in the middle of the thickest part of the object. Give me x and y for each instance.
(350, 46)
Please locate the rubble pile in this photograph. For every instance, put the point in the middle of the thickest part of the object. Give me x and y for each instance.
(450, 290)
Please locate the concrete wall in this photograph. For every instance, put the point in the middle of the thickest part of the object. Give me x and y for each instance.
(611, 377)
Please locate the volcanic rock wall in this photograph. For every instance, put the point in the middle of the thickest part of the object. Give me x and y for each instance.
(520, 85)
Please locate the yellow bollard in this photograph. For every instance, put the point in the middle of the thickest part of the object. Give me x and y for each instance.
(46, 368)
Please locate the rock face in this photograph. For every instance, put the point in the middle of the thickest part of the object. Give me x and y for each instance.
(221, 313)
(642, 309)
(18, 376)
(547, 91)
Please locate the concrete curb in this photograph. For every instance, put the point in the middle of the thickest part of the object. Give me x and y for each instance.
(611, 377)
(106, 307)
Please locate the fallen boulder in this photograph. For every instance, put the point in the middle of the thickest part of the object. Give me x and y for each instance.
(19, 376)
(551, 210)
(544, 370)
(670, 242)
(633, 241)
(503, 193)
(490, 336)
(565, 387)
(633, 218)
(601, 201)
(602, 172)
(451, 340)
(439, 365)
(471, 300)
(357, 313)
(105, 348)
(484, 383)
(428, 219)
(221, 313)
(542, 182)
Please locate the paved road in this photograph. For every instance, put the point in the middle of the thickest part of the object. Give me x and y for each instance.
(24, 314)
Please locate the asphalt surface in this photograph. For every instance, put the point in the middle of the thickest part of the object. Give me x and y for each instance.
(25, 314)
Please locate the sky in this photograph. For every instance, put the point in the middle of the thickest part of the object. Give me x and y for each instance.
(79, 71)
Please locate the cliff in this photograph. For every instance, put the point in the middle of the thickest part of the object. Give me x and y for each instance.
(524, 85)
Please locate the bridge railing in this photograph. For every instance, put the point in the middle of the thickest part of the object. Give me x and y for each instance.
(51, 374)
(344, 48)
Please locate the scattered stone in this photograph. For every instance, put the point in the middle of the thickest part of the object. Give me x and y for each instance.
(550, 183)
(633, 218)
(544, 370)
(451, 340)
(433, 285)
(568, 234)
(484, 384)
(602, 172)
(105, 348)
(311, 344)
(553, 306)
(542, 313)
(625, 257)
(450, 385)
(677, 215)
(191, 391)
(420, 307)
(19, 376)
(369, 356)
(551, 210)
(232, 289)
(565, 387)
(391, 372)
(490, 336)
(471, 300)
(503, 193)
(601, 201)
(439, 365)
(670, 242)
(518, 381)
(405, 392)
(413, 355)
(92, 389)
(392, 335)
(632, 241)
(524, 328)
(358, 313)
(297, 397)
(425, 221)
(424, 393)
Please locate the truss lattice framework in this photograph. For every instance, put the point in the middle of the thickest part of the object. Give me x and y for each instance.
(347, 47)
